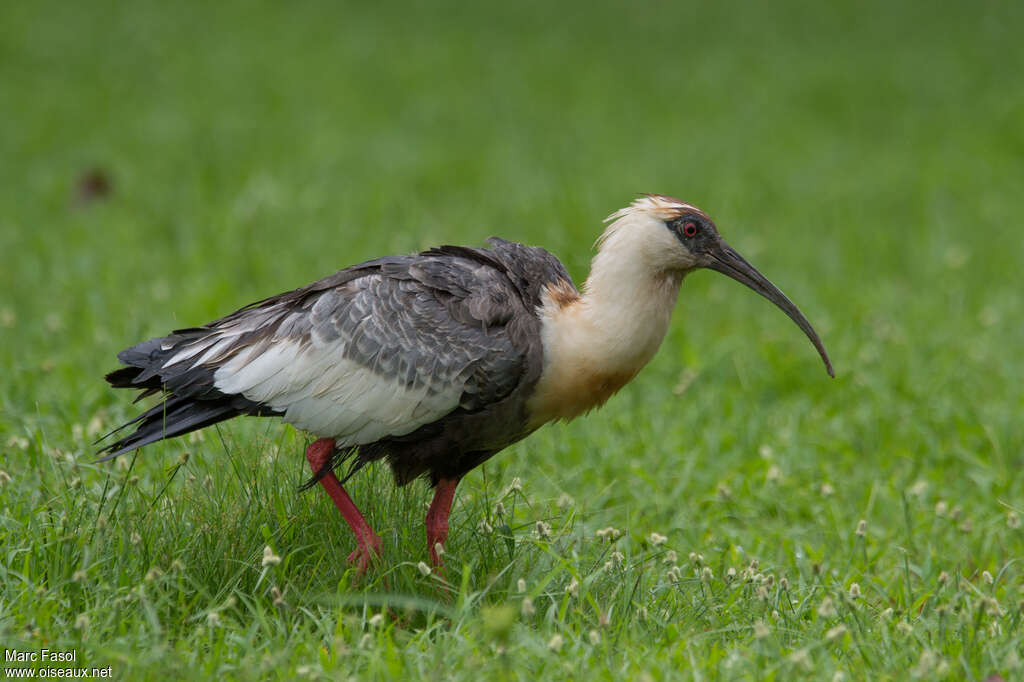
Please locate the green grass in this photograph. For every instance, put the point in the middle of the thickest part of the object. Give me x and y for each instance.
(867, 157)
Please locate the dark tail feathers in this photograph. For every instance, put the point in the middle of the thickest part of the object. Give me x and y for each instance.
(175, 416)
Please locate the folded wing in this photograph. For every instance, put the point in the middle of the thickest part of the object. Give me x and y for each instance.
(374, 351)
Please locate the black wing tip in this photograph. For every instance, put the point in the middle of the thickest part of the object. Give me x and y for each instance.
(123, 377)
(336, 459)
(111, 455)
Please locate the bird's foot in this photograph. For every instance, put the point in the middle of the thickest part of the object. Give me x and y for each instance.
(367, 551)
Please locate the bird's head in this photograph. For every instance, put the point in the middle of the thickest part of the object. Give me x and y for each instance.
(670, 235)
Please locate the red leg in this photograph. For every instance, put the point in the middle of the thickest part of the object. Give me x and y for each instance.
(437, 516)
(367, 542)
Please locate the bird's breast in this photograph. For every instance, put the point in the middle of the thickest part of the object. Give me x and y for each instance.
(595, 344)
(568, 393)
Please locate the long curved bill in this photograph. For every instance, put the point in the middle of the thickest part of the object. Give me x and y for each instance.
(725, 260)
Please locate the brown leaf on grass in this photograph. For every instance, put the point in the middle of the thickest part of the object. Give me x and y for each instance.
(92, 185)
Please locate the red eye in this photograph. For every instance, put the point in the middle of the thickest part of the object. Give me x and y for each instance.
(690, 229)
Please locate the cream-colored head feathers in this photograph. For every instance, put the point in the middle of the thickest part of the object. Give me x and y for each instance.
(638, 233)
(659, 206)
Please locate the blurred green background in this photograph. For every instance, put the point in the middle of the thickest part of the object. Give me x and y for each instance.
(868, 157)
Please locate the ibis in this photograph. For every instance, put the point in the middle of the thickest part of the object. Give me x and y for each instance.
(435, 362)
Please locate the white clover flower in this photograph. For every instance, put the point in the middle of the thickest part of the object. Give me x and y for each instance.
(827, 609)
(213, 619)
(276, 596)
(904, 627)
(706, 574)
(595, 637)
(527, 608)
(269, 558)
(943, 578)
(987, 577)
(376, 620)
(565, 500)
(543, 530)
(515, 486)
(1012, 520)
(670, 557)
(835, 632)
(926, 664)
(941, 507)
(423, 569)
(774, 474)
(761, 630)
(854, 591)
(366, 641)
(438, 549)
(610, 534)
(801, 658)
(674, 574)
(658, 539)
(573, 588)
(615, 559)
(521, 585)
(136, 538)
(827, 490)
(499, 510)
(862, 528)
(555, 644)
(484, 527)
(81, 622)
